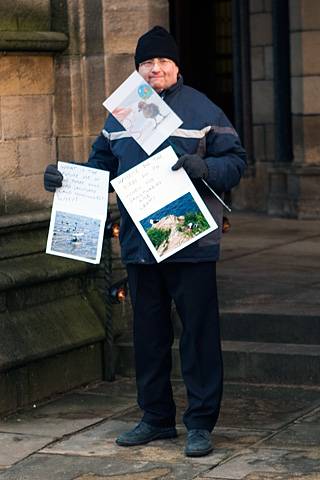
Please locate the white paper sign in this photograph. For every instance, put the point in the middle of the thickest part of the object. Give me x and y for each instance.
(142, 112)
(79, 213)
(164, 204)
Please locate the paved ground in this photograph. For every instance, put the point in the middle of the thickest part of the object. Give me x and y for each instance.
(270, 265)
(265, 432)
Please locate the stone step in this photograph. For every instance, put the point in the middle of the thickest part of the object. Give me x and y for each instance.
(51, 322)
(253, 362)
(277, 328)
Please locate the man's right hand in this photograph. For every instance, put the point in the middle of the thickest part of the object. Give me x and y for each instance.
(52, 178)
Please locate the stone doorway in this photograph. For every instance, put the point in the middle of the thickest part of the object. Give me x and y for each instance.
(204, 34)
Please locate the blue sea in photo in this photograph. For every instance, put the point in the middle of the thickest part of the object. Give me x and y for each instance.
(180, 206)
(75, 235)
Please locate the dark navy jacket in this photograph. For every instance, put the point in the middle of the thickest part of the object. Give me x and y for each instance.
(205, 130)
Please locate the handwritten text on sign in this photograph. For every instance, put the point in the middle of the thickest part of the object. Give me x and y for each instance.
(143, 185)
(82, 186)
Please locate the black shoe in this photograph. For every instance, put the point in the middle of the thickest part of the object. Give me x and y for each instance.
(198, 443)
(145, 433)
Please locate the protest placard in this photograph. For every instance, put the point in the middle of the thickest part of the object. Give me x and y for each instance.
(164, 204)
(142, 112)
(79, 213)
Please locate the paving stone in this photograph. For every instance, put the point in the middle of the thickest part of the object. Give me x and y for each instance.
(312, 417)
(304, 432)
(60, 417)
(153, 474)
(267, 461)
(236, 438)
(46, 425)
(100, 441)
(270, 476)
(15, 447)
(260, 407)
(297, 435)
(85, 406)
(120, 387)
(53, 467)
(64, 415)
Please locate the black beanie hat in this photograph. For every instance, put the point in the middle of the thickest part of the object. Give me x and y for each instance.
(156, 43)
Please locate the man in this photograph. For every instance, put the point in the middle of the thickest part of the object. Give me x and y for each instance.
(208, 148)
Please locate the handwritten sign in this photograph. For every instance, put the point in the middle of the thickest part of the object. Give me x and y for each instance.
(79, 213)
(80, 186)
(164, 204)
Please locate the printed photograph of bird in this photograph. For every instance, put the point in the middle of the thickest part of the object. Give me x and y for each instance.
(151, 110)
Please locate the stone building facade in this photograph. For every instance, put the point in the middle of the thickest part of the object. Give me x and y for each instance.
(59, 59)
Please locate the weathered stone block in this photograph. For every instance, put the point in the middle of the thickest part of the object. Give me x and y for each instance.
(26, 193)
(270, 145)
(306, 139)
(26, 243)
(257, 63)
(95, 75)
(63, 98)
(71, 149)
(261, 29)
(38, 332)
(305, 95)
(256, 6)
(296, 57)
(268, 5)
(304, 15)
(8, 22)
(2, 202)
(252, 192)
(3, 302)
(26, 75)
(9, 79)
(31, 295)
(262, 101)
(73, 30)
(122, 29)
(304, 56)
(35, 154)
(33, 15)
(9, 401)
(26, 116)
(8, 159)
(35, 75)
(297, 137)
(77, 91)
(303, 186)
(119, 68)
(159, 14)
(60, 373)
(268, 62)
(259, 142)
(311, 139)
(93, 26)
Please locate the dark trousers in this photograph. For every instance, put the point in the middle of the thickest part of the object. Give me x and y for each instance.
(192, 286)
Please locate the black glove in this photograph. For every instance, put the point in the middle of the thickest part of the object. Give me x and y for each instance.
(194, 165)
(52, 178)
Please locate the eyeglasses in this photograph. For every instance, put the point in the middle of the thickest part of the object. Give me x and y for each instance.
(162, 62)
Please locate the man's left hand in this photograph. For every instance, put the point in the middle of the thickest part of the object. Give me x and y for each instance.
(194, 165)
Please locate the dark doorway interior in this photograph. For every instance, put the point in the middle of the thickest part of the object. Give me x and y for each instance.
(203, 31)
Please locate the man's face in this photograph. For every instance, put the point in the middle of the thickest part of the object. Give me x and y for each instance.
(160, 73)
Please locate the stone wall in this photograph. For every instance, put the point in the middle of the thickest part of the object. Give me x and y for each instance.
(303, 180)
(26, 109)
(59, 60)
(253, 190)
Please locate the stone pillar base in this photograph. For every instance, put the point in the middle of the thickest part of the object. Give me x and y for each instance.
(294, 192)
